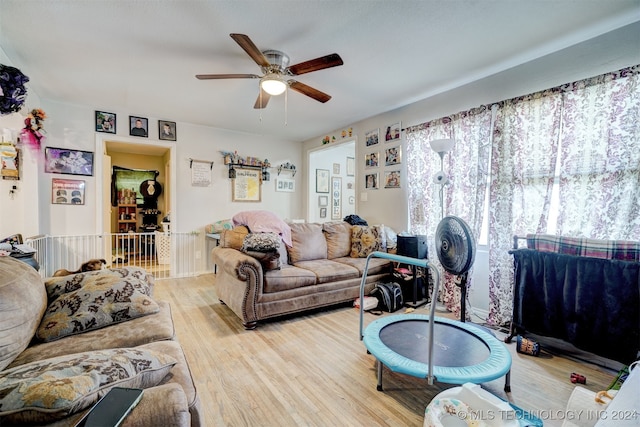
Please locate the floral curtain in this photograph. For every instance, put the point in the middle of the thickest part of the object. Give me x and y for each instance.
(600, 158)
(466, 167)
(523, 163)
(582, 137)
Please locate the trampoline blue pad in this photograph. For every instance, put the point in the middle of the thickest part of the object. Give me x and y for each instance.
(462, 352)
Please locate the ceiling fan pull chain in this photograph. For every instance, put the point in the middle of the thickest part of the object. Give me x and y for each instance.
(286, 104)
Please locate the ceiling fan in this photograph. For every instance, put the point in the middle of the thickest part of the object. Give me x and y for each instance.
(276, 69)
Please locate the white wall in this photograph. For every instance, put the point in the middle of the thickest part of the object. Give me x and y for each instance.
(72, 126)
(389, 206)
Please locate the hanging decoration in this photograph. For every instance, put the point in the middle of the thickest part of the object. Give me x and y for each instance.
(12, 89)
(31, 135)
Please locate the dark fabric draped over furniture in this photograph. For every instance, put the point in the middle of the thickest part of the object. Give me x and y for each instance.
(589, 302)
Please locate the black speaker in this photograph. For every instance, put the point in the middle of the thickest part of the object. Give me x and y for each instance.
(413, 246)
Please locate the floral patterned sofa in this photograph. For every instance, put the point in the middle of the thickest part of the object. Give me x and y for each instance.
(66, 342)
(322, 266)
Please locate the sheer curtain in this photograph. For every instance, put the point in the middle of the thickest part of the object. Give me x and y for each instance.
(599, 191)
(466, 167)
(581, 139)
(523, 163)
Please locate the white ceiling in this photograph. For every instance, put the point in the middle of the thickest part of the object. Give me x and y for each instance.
(141, 56)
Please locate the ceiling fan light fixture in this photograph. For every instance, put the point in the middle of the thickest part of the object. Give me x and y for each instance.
(273, 84)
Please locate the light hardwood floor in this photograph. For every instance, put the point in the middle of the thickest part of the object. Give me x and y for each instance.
(312, 369)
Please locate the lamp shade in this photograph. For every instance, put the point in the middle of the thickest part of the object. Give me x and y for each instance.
(273, 84)
(442, 145)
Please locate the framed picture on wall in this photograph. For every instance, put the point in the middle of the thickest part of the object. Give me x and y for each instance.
(392, 156)
(323, 212)
(138, 126)
(351, 166)
(167, 130)
(372, 137)
(392, 179)
(67, 192)
(323, 201)
(371, 181)
(322, 180)
(392, 133)
(66, 161)
(371, 159)
(336, 197)
(246, 186)
(286, 184)
(105, 122)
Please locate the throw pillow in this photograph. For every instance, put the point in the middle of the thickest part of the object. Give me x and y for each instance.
(51, 389)
(364, 240)
(260, 242)
(56, 286)
(338, 234)
(233, 238)
(105, 300)
(308, 243)
(219, 226)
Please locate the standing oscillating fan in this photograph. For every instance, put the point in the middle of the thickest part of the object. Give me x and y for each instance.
(456, 249)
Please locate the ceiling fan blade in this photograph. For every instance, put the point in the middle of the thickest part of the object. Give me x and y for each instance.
(321, 63)
(226, 76)
(245, 42)
(309, 91)
(263, 100)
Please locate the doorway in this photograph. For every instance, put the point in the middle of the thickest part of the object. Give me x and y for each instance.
(131, 154)
(336, 161)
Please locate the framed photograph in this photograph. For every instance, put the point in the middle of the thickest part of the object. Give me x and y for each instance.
(67, 161)
(336, 197)
(392, 156)
(392, 179)
(372, 137)
(67, 192)
(286, 184)
(371, 159)
(322, 180)
(371, 181)
(166, 130)
(246, 186)
(393, 132)
(351, 166)
(323, 212)
(105, 122)
(336, 168)
(323, 200)
(138, 126)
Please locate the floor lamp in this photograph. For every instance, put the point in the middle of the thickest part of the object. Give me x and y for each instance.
(441, 146)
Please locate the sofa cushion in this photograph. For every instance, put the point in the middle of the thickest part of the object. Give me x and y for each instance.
(364, 240)
(308, 243)
(54, 388)
(376, 265)
(22, 302)
(233, 238)
(288, 277)
(268, 260)
(329, 271)
(338, 236)
(103, 299)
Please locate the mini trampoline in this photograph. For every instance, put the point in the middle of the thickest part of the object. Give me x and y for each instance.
(431, 347)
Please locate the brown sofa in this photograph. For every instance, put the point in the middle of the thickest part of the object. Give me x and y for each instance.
(57, 380)
(323, 267)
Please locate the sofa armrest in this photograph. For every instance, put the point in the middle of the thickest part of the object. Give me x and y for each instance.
(239, 283)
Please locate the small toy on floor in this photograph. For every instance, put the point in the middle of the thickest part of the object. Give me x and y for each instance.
(578, 378)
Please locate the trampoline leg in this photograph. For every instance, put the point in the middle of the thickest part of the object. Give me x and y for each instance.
(379, 368)
(507, 382)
